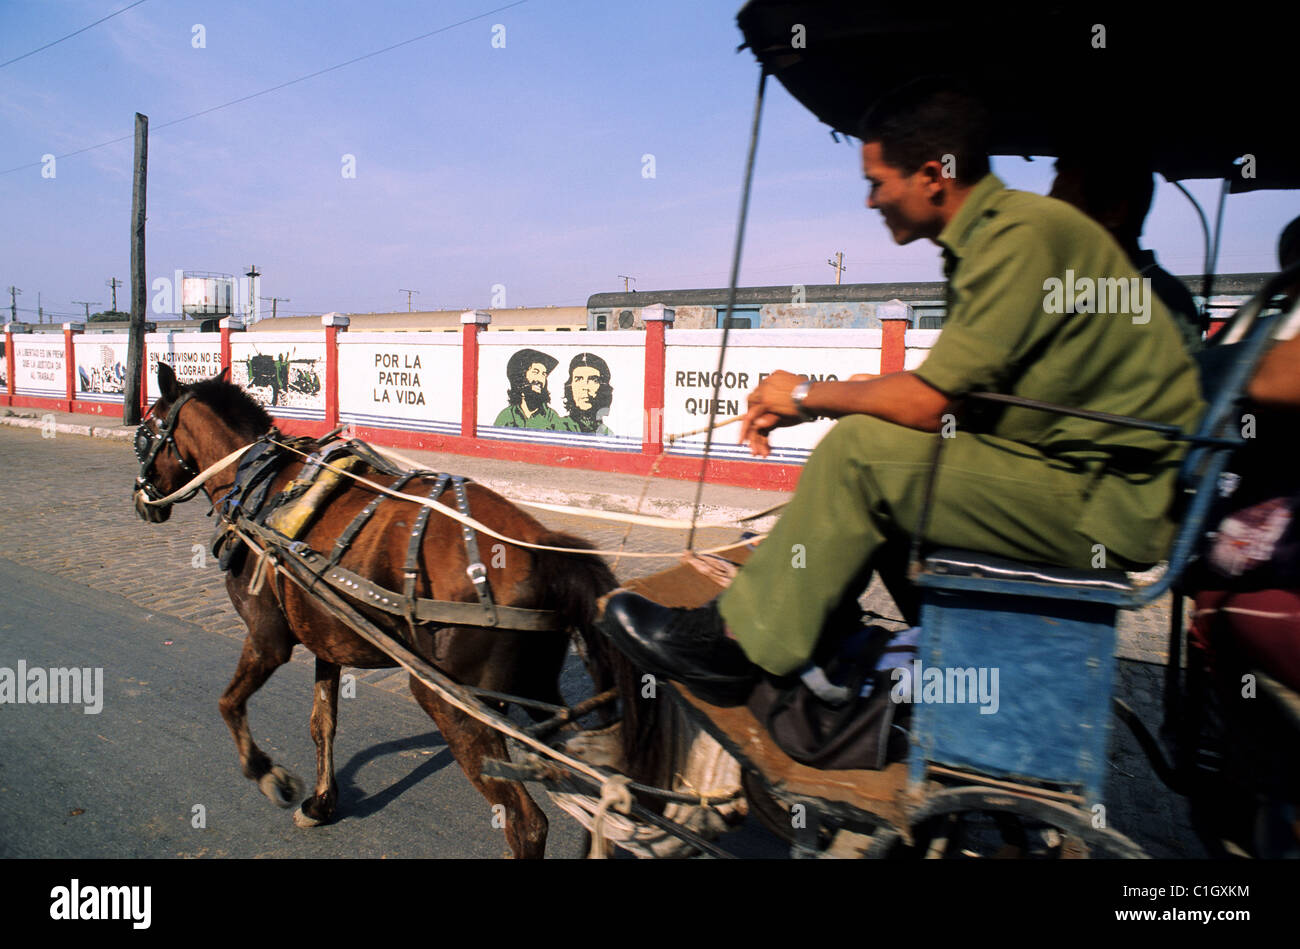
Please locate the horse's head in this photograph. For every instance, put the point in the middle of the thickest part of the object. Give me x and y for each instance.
(163, 465)
(186, 430)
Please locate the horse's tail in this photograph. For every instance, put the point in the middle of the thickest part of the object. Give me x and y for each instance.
(573, 584)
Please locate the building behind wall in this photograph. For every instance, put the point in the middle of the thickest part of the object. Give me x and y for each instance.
(843, 306)
(504, 320)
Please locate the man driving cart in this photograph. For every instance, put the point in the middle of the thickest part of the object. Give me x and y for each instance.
(1042, 304)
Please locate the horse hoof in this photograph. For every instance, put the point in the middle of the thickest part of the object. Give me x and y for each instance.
(302, 820)
(280, 786)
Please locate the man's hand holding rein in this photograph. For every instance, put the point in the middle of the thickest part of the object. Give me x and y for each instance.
(771, 406)
(900, 397)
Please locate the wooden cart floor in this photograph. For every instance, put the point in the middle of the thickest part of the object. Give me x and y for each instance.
(738, 731)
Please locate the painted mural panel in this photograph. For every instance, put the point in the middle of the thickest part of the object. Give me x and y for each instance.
(100, 366)
(547, 388)
(691, 364)
(40, 365)
(386, 380)
(192, 356)
(283, 372)
(917, 347)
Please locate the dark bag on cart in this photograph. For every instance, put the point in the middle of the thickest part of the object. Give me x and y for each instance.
(841, 716)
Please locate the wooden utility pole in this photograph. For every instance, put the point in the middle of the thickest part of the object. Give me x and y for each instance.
(838, 263)
(13, 304)
(274, 301)
(114, 283)
(135, 342)
(408, 297)
(87, 304)
(625, 278)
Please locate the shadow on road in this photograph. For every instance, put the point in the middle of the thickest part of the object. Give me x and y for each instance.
(373, 803)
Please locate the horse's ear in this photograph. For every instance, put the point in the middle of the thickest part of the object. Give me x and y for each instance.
(167, 383)
(224, 374)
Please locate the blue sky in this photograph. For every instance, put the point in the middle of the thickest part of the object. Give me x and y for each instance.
(475, 165)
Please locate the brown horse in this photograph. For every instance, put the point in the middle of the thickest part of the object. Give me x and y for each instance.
(210, 419)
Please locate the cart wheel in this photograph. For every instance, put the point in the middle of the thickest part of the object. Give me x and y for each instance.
(829, 839)
(972, 822)
(771, 813)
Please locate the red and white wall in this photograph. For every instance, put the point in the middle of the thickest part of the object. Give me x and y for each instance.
(444, 392)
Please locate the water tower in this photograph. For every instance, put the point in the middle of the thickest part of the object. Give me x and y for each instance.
(207, 295)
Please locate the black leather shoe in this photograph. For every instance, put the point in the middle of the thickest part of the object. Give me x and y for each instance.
(689, 646)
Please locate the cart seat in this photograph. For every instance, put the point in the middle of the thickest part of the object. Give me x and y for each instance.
(952, 562)
(1048, 633)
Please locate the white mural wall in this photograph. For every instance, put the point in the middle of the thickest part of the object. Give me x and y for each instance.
(579, 389)
(692, 364)
(917, 345)
(100, 366)
(401, 380)
(40, 365)
(192, 356)
(285, 372)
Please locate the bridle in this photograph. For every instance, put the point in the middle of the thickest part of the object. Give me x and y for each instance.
(149, 443)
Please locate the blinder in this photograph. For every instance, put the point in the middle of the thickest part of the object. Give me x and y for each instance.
(149, 443)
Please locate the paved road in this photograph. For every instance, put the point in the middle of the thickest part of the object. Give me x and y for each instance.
(126, 782)
(85, 583)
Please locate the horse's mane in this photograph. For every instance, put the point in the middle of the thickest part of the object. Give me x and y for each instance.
(233, 404)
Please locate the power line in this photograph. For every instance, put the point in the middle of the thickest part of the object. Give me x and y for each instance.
(283, 85)
(46, 311)
(70, 35)
(274, 302)
(88, 304)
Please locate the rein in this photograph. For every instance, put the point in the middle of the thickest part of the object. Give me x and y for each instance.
(191, 487)
(467, 521)
(164, 437)
(187, 490)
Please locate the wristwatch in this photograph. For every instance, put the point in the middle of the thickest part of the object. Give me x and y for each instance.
(797, 395)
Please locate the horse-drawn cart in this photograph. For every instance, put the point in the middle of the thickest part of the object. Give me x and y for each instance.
(660, 777)
(647, 765)
(1050, 631)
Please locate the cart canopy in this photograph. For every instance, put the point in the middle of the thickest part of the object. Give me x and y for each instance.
(1196, 92)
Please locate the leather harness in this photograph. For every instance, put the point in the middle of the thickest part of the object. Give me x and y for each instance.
(149, 443)
(249, 503)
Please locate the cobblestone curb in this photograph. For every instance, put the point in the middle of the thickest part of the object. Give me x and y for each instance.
(68, 428)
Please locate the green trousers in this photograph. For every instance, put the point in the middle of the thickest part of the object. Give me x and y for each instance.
(857, 505)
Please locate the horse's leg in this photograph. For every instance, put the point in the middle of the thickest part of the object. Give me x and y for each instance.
(267, 647)
(324, 717)
(471, 741)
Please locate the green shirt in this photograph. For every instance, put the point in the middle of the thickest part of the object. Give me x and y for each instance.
(1009, 257)
(546, 418)
(571, 424)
